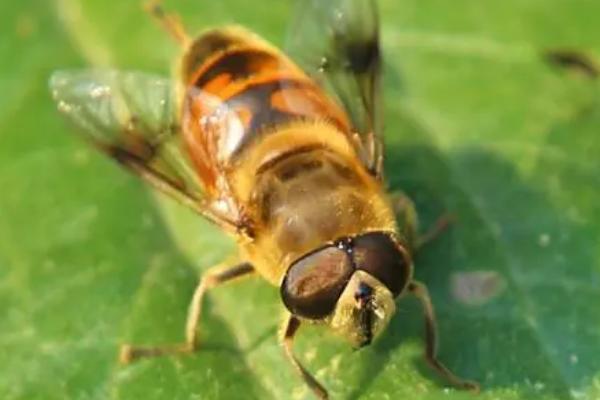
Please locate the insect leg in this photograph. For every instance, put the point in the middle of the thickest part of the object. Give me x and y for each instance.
(406, 215)
(440, 225)
(408, 221)
(375, 149)
(212, 278)
(420, 291)
(169, 22)
(370, 149)
(289, 329)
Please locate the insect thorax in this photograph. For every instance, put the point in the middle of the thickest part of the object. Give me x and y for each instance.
(309, 194)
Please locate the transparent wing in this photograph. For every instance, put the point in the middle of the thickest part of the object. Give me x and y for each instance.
(131, 116)
(337, 43)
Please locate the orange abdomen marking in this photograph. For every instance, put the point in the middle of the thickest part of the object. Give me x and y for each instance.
(243, 88)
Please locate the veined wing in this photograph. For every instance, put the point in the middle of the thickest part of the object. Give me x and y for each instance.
(337, 44)
(132, 117)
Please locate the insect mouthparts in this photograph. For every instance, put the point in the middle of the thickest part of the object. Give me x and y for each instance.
(364, 297)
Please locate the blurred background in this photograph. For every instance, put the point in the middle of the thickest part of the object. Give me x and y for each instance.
(492, 115)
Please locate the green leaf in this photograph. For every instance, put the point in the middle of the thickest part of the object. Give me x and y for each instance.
(478, 124)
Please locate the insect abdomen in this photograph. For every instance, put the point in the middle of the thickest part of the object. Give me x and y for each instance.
(255, 85)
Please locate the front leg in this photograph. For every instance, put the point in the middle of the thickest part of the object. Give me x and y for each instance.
(420, 291)
(213, 277)
(288, 331)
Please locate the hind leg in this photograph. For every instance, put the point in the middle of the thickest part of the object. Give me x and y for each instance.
(214, 277)
(170, 22)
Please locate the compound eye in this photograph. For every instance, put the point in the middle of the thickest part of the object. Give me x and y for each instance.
(314, 283)
(381, 256)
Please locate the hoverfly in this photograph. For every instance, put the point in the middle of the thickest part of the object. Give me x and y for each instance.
(286, 156)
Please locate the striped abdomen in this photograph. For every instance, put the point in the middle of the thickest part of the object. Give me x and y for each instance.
(238, 88)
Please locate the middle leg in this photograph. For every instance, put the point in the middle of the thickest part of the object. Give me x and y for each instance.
(408, 221)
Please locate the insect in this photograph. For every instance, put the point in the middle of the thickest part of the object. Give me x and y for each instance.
(573, 60)
(286, 156)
